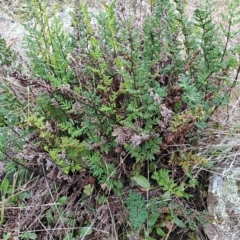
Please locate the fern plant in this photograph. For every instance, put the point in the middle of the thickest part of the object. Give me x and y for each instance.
(168, 185)
(12, 110)
(47, 45)
(136, 209)
(7, 56)
(116, 95)
(124, 89)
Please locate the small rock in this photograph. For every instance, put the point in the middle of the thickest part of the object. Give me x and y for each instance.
(224, 206)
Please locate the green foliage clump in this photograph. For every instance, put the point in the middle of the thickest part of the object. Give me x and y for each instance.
(124, 89)
(168, 185)
(12, 110)
(47, 45)
(7, 57)
(136, 209)
(115, 95)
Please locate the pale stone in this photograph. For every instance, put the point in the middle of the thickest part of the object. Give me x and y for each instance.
(224, 205)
